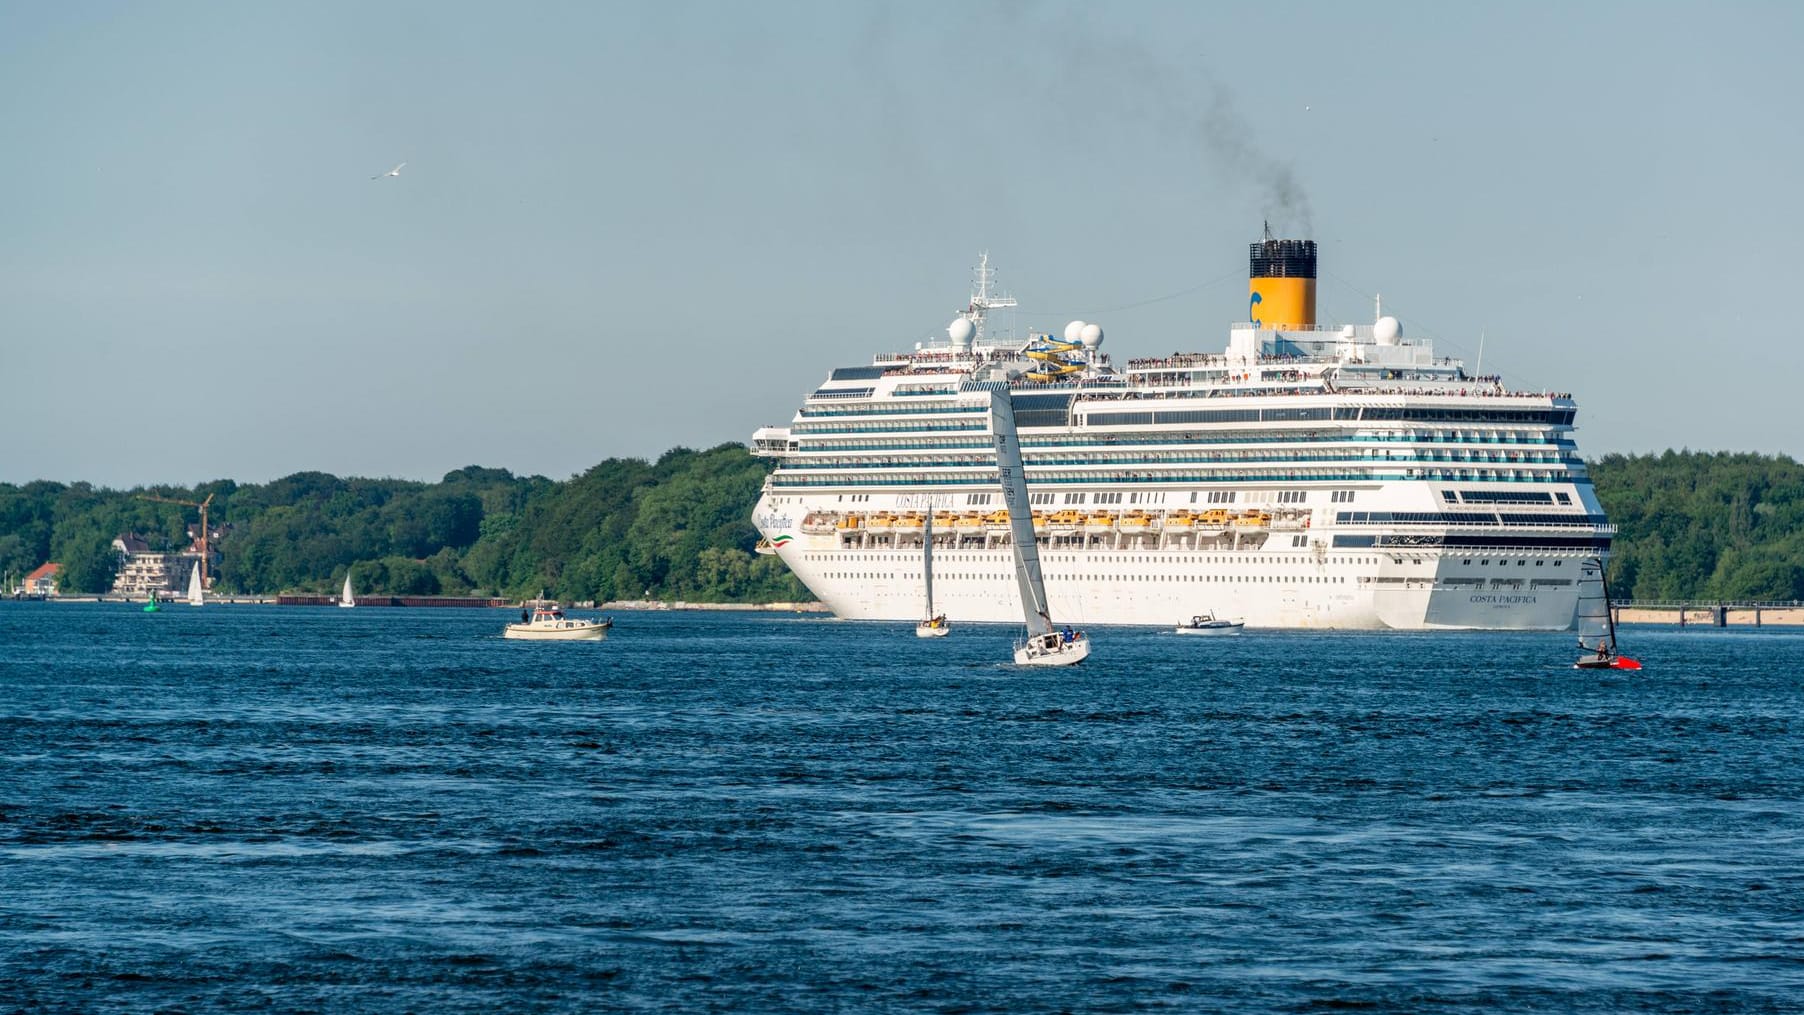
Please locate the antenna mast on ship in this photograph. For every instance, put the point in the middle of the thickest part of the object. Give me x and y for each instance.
(982, 301)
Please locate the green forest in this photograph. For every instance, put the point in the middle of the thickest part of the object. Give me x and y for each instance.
(1691, 526)
(1695, 525)
(677, 528)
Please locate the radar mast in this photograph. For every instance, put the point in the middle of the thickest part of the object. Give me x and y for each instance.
(983, 300)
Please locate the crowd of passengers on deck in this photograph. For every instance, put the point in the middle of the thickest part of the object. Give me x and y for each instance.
(1257, 392)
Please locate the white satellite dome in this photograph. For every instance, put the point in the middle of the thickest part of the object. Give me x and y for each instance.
(1348, 333)
(1091, 336)
(960, 331)
(1074, 332)
(1387, 330)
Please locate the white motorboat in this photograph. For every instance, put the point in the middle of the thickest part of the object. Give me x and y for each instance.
(1045, 645)
(936, 625)
(1209, 623)
(548, 623)
(196, 595)
(345, 599)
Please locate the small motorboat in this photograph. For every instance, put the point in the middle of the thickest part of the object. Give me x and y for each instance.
(1209, 623)
(548, 623)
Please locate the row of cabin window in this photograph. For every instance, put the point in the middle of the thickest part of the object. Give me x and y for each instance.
(1308, 579)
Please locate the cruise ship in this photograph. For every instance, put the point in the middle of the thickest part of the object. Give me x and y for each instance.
(1304, 477)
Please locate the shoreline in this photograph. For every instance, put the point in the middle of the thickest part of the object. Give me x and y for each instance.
(1675, 615)
(433, 602)
(630, 605)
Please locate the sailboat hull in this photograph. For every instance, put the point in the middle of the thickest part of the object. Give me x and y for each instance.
(1613, 663)
(1049, 650)
(925, 631)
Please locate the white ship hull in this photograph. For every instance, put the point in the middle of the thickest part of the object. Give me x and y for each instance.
(1162, 588)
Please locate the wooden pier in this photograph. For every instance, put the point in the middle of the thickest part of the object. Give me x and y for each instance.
(1712, 614)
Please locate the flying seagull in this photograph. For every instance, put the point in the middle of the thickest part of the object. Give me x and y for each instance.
(392, 172)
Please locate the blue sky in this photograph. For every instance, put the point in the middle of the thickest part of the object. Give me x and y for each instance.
(624, 227)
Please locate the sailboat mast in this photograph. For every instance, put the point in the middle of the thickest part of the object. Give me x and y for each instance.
(1020, 516)
(1609, 613)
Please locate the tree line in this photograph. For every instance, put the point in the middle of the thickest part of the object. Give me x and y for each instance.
(677, 528)
(1691, 526)
(1695, 525)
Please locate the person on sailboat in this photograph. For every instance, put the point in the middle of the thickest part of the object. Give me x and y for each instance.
(1067, 634)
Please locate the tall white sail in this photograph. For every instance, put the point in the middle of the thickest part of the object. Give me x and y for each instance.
(345, 598)
(927, 560)
(1020, 515)
(196, 596)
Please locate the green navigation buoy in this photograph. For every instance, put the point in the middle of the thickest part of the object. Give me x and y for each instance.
(152, 607)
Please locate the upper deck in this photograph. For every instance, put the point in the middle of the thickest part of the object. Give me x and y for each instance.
(1258, 362)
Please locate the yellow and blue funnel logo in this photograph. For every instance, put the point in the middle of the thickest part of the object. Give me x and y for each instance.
(1281, 302)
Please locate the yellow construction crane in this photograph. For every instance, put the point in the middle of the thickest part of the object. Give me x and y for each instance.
(206, 562)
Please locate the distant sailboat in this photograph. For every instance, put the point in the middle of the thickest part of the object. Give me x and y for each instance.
(345, 599)
(1597, 624)
(935, 626)
(1045, 645)
(196, 595)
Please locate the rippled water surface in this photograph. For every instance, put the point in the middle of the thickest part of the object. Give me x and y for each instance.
(388, 810)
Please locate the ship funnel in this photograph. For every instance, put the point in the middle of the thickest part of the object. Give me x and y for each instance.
(1281, 283)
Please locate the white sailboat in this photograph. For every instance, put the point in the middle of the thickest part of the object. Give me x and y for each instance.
(1045, 645)
(935, 624)
(345, 599)
(196, 595)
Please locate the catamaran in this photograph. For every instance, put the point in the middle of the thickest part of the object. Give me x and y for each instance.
(1597, 623)
(345, 599)
(935, 624)
(1045, 645)
(196, 595)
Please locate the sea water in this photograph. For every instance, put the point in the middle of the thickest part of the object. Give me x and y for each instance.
(290, 809)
